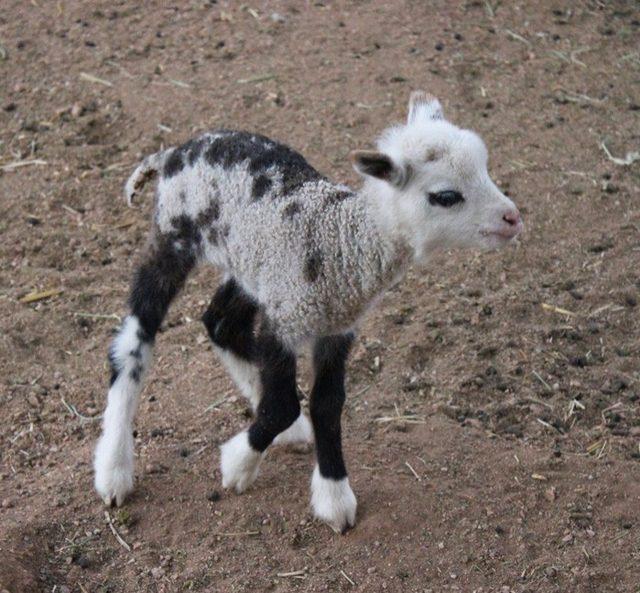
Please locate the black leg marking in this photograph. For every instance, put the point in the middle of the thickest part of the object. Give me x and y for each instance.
(155, 284)
(158, 280)
(279, 406)
(115, 367)
(229, 320)
(327, 399)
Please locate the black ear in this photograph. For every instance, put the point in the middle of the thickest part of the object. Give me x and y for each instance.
(377, 164)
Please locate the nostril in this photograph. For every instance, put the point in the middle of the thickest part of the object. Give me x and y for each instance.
(512, 218)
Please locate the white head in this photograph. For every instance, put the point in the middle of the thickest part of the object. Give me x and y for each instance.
(430, 183)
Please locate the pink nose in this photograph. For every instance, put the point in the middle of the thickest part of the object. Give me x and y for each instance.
(512, 218)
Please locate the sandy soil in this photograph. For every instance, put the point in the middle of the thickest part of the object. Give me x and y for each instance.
(520, 471)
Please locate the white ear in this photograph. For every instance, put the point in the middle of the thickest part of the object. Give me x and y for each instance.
(423, 106)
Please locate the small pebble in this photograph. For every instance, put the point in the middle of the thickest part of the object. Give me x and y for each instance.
(76, 110)
(153, 468)
(276, 17)
(158, 572)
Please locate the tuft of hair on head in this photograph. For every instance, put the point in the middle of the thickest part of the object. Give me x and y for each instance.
(423, 107)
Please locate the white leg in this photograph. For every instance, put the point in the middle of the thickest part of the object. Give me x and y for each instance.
(300, 431)
(245, 374)
(239, 462)
(247, 377)
(113, 461)
(333, 501)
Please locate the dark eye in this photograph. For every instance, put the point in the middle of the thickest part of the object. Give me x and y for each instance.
(446, 199)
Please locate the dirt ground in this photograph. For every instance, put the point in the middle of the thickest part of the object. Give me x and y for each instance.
(492, 429)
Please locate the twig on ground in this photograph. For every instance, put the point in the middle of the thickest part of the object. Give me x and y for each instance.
(575, 52)
(119, 67)
(71, 210)
(597, 448)
(545, 424)
(413, 471)
(97, 315)
(237, 533)
(296, 574)
(560, 310)
(561, 55)
(408, 418)
(346, 576)
(24, 163)
(180, 83)
(517, 37)
(630, 158)
(200, 450)
(35, 296)
(258, 78)
(539, 377)
(362, 391)
(533, 400)
(579, 98)
(75, 412)
(91, 78)
(215, 404)
(123, 543)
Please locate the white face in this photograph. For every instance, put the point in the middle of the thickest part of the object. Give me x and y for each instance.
(432, 184)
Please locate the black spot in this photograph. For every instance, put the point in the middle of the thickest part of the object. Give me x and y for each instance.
(225, 231)
(213, 235)
(174, 164)
(262, 154)
(136, 373)
(185, 232)
(261, 185)
(339, 196)
(193, 149)
(183, 196)
(312, 266)
(207, 216)
(213, 496)
(116, 369)
(189, 152)
(291, 210)
(137, 353)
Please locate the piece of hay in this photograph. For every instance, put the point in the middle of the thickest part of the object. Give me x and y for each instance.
(35, 296)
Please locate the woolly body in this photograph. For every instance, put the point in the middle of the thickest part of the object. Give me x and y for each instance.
(309, 251)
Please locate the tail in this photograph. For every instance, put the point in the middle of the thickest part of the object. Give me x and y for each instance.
(145, 171)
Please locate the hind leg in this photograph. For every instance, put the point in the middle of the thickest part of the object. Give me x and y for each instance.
(230, 320)
(278, 409)
(155, 284)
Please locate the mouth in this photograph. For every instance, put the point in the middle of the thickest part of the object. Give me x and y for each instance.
(503, 234)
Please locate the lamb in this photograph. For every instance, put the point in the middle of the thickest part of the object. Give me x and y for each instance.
(302, 260)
